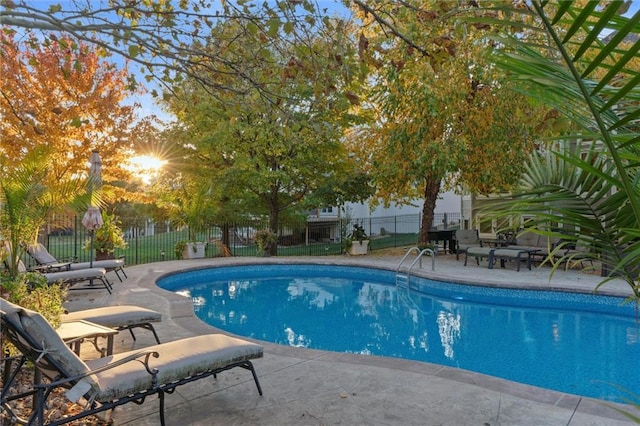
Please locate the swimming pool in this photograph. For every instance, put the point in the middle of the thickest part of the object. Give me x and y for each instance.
(575, 343)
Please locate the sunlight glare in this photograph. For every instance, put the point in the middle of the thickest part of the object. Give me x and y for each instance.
(145, 167)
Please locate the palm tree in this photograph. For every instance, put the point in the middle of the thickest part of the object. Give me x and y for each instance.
(589, 184)
(25, 203)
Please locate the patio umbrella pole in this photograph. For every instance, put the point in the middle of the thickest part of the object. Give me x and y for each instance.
(92, 219)
(93, 234)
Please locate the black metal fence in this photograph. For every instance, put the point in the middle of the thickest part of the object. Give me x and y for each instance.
(147, 241)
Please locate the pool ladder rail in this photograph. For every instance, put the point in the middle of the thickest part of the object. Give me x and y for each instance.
(403, 275)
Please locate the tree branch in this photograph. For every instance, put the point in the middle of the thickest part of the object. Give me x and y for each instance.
(383, 22)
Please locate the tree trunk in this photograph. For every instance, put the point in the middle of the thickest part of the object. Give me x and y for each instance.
(226, 235)
(431, 191)
(274, 214)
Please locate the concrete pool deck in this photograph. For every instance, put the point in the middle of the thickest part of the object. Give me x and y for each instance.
(311, 387)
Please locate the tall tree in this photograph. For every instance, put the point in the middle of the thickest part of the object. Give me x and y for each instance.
(67, 99)
(279, 148)
(444, 114)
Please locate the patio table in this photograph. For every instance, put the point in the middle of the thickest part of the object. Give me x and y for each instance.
(76, 332)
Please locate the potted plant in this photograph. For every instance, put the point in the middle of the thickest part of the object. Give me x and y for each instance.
(265, 239)
(190, 207)
(358, 241)
(107, 238)
(190, 249)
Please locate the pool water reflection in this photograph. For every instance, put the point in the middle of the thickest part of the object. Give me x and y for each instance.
(573, 343)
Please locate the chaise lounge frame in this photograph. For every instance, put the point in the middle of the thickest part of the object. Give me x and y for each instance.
(56, 361)
(119, 317)
(43, 258)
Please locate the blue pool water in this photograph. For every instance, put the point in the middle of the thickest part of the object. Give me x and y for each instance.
(576, 343)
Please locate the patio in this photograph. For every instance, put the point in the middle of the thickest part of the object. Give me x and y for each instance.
(310, 387)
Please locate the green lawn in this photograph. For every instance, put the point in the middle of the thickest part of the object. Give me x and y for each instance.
(160, 247)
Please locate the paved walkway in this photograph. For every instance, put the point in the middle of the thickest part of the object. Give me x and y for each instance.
(310, 387)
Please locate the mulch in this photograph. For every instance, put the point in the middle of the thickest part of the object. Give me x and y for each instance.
(58, 406)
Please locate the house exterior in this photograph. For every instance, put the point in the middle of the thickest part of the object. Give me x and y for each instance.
(324, 224)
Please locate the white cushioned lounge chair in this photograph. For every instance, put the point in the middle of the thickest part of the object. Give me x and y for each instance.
(124, 317)
(41, 255)
(68, 277)
(108, 382)
(74, 277)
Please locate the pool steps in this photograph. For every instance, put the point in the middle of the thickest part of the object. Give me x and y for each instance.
(403, 275)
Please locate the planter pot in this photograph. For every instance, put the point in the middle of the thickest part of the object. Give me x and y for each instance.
(194, 250)
(102, 255)
(359, 248)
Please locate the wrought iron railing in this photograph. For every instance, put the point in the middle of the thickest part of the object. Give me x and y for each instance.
(153, 242)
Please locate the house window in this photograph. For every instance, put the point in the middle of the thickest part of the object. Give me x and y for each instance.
(327, 210)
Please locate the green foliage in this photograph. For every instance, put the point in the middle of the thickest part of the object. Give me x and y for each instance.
(265, 239)
(444, 116)
(267, 154)
(168, 39)
(25, 201)
(358, 234)
(30, 290)
(179, 248)
(108, 237)
(190, 201)
(588, 185)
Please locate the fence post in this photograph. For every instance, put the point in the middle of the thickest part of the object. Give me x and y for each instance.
(395, 231)
(75, 237)
(135, 241)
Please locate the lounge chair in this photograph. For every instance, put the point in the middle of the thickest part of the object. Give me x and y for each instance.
(479, 253)
(544, 246)
(74, 277)
(123, 317)
(83, 275)
(572, 254)
(69, 277)
(41, 255)
(108, 382)
(466, 238)
(508, 253)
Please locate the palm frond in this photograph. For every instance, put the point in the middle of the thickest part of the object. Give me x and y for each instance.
(588, 70)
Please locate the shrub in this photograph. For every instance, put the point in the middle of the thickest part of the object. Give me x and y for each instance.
(30, 290)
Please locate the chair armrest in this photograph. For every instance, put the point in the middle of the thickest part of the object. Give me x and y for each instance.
(133, 357)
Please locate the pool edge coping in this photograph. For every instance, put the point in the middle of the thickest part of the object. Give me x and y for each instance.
(579, 404)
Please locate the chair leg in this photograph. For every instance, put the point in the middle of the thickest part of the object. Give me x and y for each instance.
(249, 366)
(153, 330)
(39, 402)
(161, 397)
(106, 284)
(146, 326)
